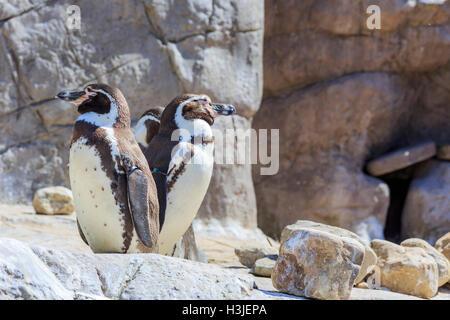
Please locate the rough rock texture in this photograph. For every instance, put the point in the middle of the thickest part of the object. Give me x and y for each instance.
(231, 195)
(443, 152)
(341, 95)
(442, 263)
(186, 247)
(152, 50)
(41, 273)
(248, 255)
(427, 206)
(53, 200)
(400, 159)
(406, 270)
(443, 245)
(317, 264)
(263, 267)
(370, 258)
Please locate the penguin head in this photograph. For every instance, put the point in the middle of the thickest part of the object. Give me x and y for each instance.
(193, 107)
(99, 99)
(148, 126)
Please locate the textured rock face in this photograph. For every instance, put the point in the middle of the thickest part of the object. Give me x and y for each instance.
(443, 245)
(231, 195)
(40, 273)
(442, 263)
(53, 200)
(406, 270)
(186, 248)
(427, 206)
(341, 95)
(248, 255)
(369, 260)
(317, 264)
(151, 50)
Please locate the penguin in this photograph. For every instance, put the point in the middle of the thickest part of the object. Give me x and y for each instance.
(181, 159)
(148, 126)
(114, 193)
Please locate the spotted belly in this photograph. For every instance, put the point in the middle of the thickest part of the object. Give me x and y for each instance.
(187, 186)
(100, 216)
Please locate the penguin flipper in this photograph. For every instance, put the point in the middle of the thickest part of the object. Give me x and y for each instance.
(161, 186)
(81, 233)
(139, 205)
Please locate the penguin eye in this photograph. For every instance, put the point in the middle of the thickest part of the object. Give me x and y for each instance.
(89, 90)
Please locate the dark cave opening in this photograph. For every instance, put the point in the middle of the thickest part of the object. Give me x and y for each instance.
(398, 183)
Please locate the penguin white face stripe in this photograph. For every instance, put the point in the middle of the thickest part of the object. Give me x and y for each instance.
(106, 122)
(102, 120)
(196, 127)
(140, 130)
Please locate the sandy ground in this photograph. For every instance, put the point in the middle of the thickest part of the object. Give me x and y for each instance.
(22, 223)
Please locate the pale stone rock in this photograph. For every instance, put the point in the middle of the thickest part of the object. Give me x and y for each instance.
(263, 267)
(53, 200)
(443, 245)
(406, 270)
(370, 258)
(248, 255)
(441, 261)
(318, 264)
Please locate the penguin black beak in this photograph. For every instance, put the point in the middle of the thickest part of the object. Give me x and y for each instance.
(223, 109)
(70, 96)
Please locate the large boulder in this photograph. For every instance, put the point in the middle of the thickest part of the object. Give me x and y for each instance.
(41, 273)
(317, 264)
(342, 95)
(408, 270)
(369, 259)
(441, 261)
(152, 50)
(427, 205)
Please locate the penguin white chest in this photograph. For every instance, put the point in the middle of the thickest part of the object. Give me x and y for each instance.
(99, 215)
(187, 182)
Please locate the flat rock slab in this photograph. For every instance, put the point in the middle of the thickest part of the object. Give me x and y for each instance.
(401, 159)
(41, 273)
(443, 152)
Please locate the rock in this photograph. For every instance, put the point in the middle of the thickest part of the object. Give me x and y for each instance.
(186, 248)
(442, 263)
(369, 260)
(406, 270)
(343, 94)
(248, 255)
(320, 175)
(41, 273)
(443, 152)
(443, 245)
(231, 196)
(151, 50)
(362, 285)
(53, 200)
(373, 278)
(263, 267)
(426, 211)
(317, 264)
(401, 159)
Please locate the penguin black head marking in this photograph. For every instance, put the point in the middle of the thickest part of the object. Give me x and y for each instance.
(190, 107)
(99, 99)
(93, 98)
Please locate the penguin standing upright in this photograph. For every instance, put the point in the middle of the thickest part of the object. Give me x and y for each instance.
(181, 159)
(114, 192)
(148, 126)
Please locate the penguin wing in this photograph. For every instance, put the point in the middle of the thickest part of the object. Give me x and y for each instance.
(139, 204)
